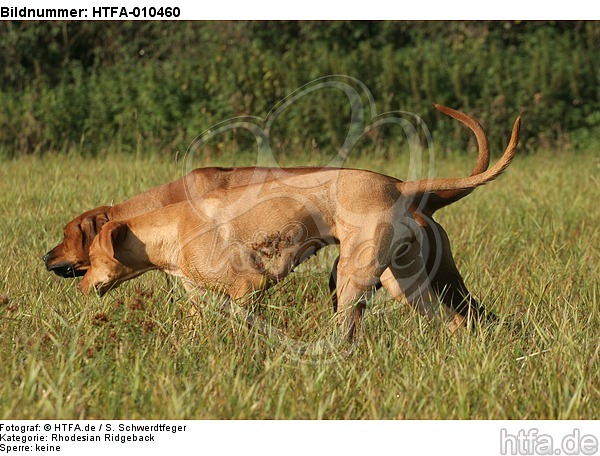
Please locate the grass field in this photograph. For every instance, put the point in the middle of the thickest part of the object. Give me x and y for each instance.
(527, 246)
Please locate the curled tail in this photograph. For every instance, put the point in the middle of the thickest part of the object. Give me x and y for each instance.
(465, 185)
(437, 200)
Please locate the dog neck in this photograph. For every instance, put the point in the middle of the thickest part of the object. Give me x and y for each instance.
(153, 241)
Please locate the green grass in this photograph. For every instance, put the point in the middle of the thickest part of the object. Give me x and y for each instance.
(526, 244)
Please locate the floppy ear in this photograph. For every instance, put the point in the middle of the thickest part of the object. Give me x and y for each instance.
(99, 221)
(90, 226)
(112, 235)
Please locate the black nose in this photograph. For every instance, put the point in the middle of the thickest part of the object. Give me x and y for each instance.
(46, 257)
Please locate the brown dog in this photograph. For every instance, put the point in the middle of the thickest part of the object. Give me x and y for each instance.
(70, 258)
(242, 240)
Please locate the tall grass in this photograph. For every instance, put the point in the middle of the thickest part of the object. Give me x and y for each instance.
(526, 244)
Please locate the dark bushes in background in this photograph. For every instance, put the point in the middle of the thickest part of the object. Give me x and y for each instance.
(137, 86)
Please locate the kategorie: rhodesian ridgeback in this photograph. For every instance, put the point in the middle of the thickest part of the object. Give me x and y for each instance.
(244, 239)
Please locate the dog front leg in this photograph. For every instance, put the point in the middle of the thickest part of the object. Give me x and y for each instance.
(196, 295)
(225, 304)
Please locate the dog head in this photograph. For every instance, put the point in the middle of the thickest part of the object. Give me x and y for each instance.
(71, 258)
(116, 255)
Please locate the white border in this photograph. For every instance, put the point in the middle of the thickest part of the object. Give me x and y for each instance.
(264, 438)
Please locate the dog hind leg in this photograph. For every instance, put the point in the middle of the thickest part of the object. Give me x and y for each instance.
(407, 279)
(446, 280)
